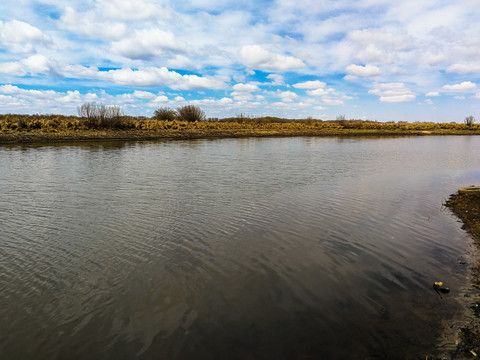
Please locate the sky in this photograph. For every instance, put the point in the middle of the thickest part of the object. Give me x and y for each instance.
(382, 60)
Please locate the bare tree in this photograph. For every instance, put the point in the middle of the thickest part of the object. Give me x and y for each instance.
(469, 120)
(98, 116)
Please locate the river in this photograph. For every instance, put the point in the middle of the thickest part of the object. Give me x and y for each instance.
(274, 248)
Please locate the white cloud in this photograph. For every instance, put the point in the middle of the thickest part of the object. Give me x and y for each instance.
(286, 96)
(27, 93)
(316, 84)
(75, 97)
(350, 77)
(277, 79)
(13, 68)
(320, 92)
(80, 72)
(392, 92)
(330, 101)
(129, 10)
(249, 87)
(242, 96)
(363, 71)
(466, 85)
(39, 64)
(181, 62)
(256, 57)
(91, 24)
(464, 68)
(143, 95)
(10, 103)
(380, 45)
(160, 99)
(35, 64)
(432, 93)
(21, 37)
(147, 44)
(161, 77)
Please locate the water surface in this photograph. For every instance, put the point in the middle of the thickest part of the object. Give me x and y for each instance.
(289, 248)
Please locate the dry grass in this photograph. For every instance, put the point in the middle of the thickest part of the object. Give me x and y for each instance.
(58, 126)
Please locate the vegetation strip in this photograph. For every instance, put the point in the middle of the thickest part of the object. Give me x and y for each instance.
(466, 205)
(105, 124)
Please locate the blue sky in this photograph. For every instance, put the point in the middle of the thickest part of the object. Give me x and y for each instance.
(368, 59)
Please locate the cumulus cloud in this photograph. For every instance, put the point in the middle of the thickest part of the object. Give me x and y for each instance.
(28, 93)
(243, 92)
(13, 68)
(286, 96)
(330, 101)
(466, 85)
(316, 84)
(35, 64)
(327, 95)
(159, 99)
(363, 71)
(91, 24)
(277, 79)
(249, 87)
(147, 44)
(75, 97)
(39, 64)
(21, 37)
(386, 36)
(392, 92)
(80, 72)
(143, 95)
(128, 10)
(432, 93)
(320, 92)
(152, 76)
(256, 57)
(464, 68)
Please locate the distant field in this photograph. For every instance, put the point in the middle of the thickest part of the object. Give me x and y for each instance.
(26, 128)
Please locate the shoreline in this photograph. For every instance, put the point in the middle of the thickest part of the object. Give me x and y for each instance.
(467, 208)
(12, 137)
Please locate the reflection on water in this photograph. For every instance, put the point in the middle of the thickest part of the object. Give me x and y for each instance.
(292, 248)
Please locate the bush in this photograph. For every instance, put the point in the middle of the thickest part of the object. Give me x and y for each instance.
(100, 116)
(190, 113)
(469, 120)
(165, 114)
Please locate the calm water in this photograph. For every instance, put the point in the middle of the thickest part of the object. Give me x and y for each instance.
(290, 248)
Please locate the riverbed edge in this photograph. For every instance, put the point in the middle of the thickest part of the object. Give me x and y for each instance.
(467, 208)
(149, 135)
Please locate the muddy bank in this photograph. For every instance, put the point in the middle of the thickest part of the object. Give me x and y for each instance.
(466, 205)
(10, 137)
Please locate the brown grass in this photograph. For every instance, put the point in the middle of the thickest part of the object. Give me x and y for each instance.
(35, 127)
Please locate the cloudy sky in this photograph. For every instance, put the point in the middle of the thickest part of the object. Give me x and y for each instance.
(410, 60)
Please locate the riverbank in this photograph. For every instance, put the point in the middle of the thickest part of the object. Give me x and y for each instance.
(55, 128)
(467, 207)
(137, 135)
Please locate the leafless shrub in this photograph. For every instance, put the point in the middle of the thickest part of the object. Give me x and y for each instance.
(165, 114)
(469, 120)
(100, 116)
(190, 113)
